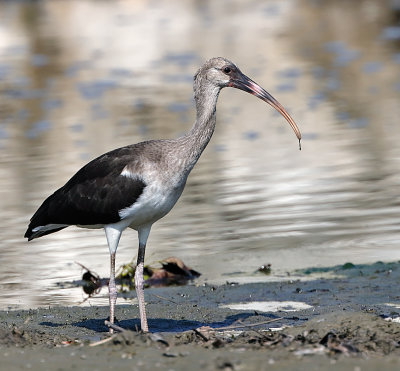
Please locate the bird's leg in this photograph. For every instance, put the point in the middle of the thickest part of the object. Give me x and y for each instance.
(112, 290)
(139, 285)
(113, 235)
(139, 280)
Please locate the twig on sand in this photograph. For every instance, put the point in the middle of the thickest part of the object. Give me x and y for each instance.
(198, 332)
(206, 330)
(247, 325)
(103, 341)
(106, 340)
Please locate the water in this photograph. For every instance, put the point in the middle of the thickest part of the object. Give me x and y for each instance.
(72, 88)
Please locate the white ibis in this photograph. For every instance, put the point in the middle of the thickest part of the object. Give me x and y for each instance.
(136, 185)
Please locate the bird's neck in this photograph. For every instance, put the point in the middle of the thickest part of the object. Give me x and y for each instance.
(203, 128)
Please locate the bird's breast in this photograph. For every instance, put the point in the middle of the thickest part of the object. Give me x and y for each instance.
(157, 199)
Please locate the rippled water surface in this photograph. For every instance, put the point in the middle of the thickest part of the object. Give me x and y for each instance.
(79, 78)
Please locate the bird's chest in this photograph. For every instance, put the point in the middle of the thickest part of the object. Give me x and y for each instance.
(160, 198)
(157, 199)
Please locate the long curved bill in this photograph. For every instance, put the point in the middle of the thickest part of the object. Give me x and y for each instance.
(244, 83)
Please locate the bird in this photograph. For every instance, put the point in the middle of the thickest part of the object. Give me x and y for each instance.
(136, 185)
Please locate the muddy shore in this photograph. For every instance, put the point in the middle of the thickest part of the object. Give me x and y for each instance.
(339, 318)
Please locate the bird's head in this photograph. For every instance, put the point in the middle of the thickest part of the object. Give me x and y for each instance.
(220, 73)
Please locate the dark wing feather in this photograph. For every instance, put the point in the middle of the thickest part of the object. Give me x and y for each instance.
(94, 195)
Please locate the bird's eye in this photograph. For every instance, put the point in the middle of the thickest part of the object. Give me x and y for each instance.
(227, 70)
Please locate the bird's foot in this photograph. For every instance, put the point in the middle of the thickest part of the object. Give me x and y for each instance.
(114, 321)
(111, 324)
(113, 327)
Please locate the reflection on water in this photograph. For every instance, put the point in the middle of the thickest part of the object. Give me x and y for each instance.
(72, 89)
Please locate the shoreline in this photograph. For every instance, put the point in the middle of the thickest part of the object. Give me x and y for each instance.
(326, 323)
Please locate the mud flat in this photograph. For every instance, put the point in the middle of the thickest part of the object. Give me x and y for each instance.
(338, 318)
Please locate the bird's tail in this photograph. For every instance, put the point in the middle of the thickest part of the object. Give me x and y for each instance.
(35, 232)
(41, 222)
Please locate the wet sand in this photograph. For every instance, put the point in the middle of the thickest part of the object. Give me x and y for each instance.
(348, 322)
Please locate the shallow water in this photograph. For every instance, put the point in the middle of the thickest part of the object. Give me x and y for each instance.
(79, 78)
